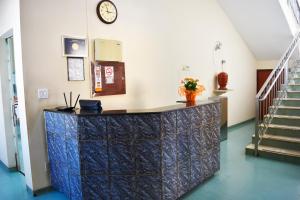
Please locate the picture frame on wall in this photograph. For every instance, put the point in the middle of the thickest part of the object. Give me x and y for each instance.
(75, 69)
(74, 46)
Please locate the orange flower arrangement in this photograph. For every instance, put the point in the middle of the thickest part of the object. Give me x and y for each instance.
(190, 89)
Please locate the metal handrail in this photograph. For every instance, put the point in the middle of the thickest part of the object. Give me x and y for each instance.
(295, 8)
(267, 91)
(272, 84)
(288, 51)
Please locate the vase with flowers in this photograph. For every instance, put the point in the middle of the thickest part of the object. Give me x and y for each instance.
(190, 88)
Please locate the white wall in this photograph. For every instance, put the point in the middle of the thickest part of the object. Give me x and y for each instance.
(157, 41)
(267, 64)
(10, 26)
(262, 25)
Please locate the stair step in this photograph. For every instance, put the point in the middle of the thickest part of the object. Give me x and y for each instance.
(279, 138)
(288, 110)
(294, 102)
(294, 84)
(293, 93)
(289, 99)
(287, 116)
(296, 80)
(275, 153)
(284, 127)
(284, 130)
(284, 142)
(289, 120)
(282, 138)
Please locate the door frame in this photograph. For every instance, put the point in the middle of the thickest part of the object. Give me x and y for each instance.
(10, 134)
(13, 92)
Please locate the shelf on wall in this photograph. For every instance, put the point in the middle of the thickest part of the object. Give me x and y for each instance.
(219, 92)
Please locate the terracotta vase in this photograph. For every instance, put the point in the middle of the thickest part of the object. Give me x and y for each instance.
(222, 80)
(192, 103)
(190, 96)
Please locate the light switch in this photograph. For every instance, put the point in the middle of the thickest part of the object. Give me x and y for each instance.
(43, 93)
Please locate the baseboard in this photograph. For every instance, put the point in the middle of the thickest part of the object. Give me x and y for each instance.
(39, 191)
(9, 169)
(241, 123)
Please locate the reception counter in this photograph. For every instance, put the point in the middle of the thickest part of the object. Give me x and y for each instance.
(133, 154)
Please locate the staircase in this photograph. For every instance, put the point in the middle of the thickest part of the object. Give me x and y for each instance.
(278, 111)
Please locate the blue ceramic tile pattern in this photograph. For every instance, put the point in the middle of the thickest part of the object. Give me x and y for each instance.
(71, 127)
(142, 156)
(197, 118)
(169, 155)
(94, 157)
(169, 151)
(92, 128)
(59, 124)
(73, 156)
(49, 121)
(168, 123)
(184, 121)
(196, 141)
(147, 188)
(96, 187)
(121, 127)
(122, 157)
(123, 187)
(183, 163)
(75, 187)
(56, 148)
(147, 126)
(148, 157)
(54, 175)
(196, 170)
(169, 182)
(60, 177)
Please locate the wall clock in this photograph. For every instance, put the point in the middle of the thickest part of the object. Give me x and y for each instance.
(107, 11)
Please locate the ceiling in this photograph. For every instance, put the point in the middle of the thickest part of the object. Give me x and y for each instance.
(262, 24)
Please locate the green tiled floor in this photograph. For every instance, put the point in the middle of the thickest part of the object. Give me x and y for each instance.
(246, 177)
(241, 177)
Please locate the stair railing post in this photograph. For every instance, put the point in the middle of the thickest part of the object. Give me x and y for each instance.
(257, 121)
(286, 74)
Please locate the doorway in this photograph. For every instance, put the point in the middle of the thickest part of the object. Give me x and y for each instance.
(13, 96)
(261, 77)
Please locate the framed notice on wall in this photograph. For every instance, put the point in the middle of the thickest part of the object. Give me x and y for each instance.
(74, 46)
(108, 78)
(75, 69)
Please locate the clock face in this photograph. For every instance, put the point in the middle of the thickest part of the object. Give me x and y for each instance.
(107, 11)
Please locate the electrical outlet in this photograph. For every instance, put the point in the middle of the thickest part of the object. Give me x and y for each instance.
(43, 93)
(47, 166)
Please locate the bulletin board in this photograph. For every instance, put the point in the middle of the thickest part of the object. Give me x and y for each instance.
(108, 78)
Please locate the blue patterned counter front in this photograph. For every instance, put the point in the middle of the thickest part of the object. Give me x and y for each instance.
(155, 155)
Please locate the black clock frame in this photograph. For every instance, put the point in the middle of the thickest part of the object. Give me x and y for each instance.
(99, 15)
